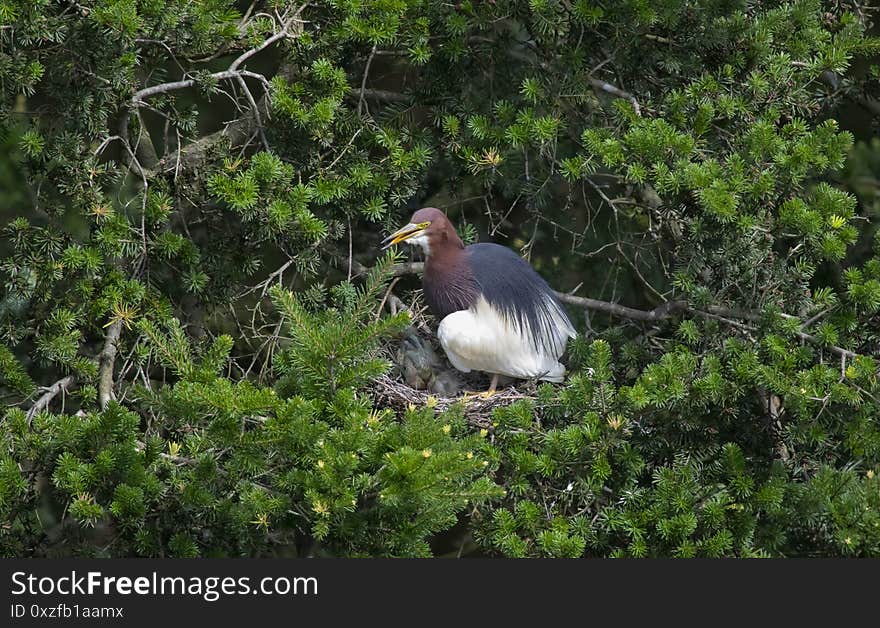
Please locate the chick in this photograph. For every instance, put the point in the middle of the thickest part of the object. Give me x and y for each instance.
(422, 369)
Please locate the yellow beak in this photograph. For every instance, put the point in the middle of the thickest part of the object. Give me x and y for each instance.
(405, 233)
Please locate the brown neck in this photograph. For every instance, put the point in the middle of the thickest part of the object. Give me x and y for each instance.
(445, 250)
(448, 283)
(446, 257)
(446, 240)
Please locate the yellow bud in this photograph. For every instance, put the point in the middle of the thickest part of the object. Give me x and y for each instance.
(870, 474)
(447, 428)
(320, 464)
(484, 432)
(836, 221)
(491, 157)
(320, 508)
(431, 401)
(469, 455)
(615, 422)
(426, 453)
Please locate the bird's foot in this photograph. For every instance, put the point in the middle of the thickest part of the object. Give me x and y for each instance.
(472, 394)
(485, 394)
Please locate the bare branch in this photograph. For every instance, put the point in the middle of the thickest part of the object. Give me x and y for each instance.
(256, 111)
(659, 313)
(230, 73)
(406, 268)
(616, 91)
(163, 88)
(361, 101)
(50, 393)
(284, 32)
(107, 360)
(241, 130)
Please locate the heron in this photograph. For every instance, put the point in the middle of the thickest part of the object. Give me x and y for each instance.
(496, 313)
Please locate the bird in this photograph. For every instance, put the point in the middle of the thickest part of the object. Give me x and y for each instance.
(420, 367)
(496, 313)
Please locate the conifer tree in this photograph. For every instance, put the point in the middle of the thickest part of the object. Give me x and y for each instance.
(194, 314)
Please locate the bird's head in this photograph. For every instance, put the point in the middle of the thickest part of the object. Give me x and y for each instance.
(429, 228)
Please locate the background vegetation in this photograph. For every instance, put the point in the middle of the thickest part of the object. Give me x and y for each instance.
(198, 329)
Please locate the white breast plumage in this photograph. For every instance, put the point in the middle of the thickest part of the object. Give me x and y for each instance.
(483, 339)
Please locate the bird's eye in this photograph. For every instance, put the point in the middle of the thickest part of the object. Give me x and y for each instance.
(424, 225)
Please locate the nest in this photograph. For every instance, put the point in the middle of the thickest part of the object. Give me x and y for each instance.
(397, 394)
(419, 367)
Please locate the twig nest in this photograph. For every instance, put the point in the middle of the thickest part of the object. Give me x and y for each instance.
(423, 378)
(397, 394)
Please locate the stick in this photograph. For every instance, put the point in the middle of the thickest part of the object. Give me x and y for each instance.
(50, 393)
(107, 360)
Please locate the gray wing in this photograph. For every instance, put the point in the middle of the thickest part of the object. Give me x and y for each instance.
(511, 285)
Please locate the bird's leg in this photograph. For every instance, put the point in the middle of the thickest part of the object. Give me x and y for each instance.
(492, 387)
(467, 394)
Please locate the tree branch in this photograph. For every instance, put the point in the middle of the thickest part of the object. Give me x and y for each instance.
(616, 91)
(659, 313)
(237, 132)
(229, 73)
(50, 393)
(364, 80)
(258, 119)
(406, 268)
(107, 360)
(163, 88)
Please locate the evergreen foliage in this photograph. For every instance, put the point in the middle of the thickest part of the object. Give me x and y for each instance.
(193, 309)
